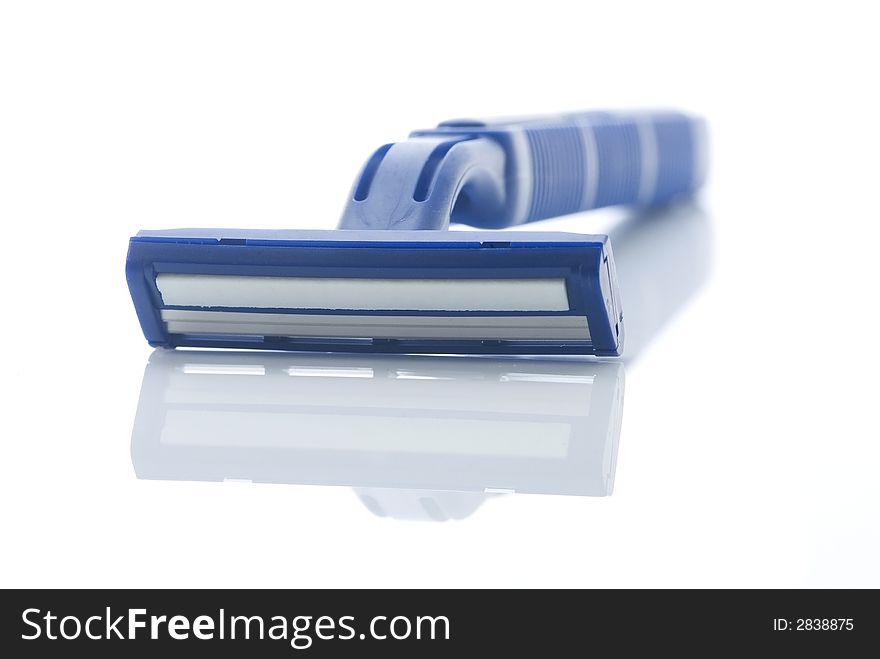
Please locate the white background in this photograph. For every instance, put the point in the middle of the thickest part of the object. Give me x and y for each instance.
(749, 454)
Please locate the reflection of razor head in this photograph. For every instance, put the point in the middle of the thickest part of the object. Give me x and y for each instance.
(415, 423)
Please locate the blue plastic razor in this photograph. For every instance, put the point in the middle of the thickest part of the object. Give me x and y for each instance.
(392, 278)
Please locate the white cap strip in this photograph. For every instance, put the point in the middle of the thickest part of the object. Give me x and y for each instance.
(343, 293)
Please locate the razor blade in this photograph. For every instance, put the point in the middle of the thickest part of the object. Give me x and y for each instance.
(437, 292)
(393, 279)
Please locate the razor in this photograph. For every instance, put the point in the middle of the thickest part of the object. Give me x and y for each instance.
(393, 279)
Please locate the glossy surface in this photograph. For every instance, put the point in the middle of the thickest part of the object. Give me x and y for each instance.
(748, 453)
(401, 424)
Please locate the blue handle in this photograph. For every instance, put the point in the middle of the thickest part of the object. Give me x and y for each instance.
(501, 173)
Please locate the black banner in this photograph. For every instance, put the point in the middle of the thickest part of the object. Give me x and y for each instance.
(278, 623)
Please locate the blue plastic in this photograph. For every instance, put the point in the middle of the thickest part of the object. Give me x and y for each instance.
(584, 262)
(489, 174)
(499, 174)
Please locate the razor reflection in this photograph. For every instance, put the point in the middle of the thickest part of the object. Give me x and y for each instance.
(416, 436)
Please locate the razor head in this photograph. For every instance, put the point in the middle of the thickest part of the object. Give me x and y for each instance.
(440, 292)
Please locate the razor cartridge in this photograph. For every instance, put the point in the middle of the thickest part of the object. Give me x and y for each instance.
(392, 278)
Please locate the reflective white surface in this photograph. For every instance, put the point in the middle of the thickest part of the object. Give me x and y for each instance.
(748, 453)
(410, 433)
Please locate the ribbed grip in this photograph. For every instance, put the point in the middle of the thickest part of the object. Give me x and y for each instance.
(501, 173)
(618, 165)
(574, 162)
(596, 159)
(557, 157)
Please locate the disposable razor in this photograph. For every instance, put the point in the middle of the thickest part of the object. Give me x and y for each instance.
(392, 278)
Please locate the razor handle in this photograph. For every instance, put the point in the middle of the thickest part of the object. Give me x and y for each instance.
(502, 173)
